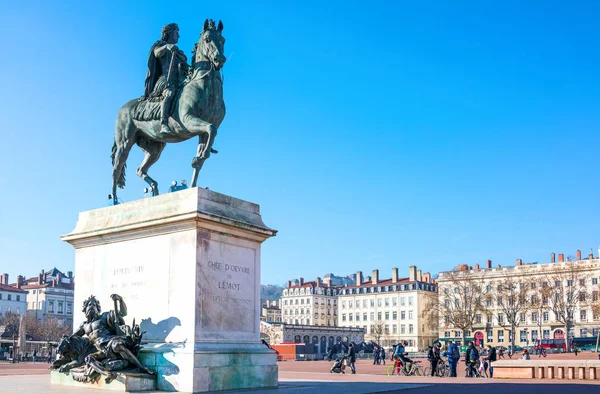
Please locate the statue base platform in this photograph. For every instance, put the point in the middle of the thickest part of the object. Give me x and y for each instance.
(125, 382)
(187, 265)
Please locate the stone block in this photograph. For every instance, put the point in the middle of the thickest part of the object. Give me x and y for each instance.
(125, 382)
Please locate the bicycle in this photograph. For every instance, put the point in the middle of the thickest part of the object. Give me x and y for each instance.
(442, 369)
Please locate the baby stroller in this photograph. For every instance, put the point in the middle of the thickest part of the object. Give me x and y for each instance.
(338, 366)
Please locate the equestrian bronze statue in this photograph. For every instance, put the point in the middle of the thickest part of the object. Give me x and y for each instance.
(180, 101)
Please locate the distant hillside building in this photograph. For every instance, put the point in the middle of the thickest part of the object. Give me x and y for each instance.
(12, 298)
(50, 295)
(310, 303)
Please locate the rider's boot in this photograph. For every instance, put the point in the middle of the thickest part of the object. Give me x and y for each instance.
(164, 113)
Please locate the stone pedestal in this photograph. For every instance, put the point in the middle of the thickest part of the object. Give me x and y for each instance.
(187, 265)
(127, 382)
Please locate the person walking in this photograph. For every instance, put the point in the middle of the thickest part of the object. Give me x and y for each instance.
(351, 358)
(382, 355)
(491, 357)
(375, 355)
(453, 356)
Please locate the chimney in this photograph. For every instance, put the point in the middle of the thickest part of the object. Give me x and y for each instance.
(375, 274)
(318, 282)
(394, 275)
(489, 263)
(519, 262)
(20, 280)
(578, 254)
(70, 274)
(427, 277)
(40, 279)
(327, 281)
(367, 279)
(476, 267)
(419, 276)
(499, 266)
(358, 278)
(561, 258)
(553, 257)
(463, 267)
(59, 278)
(289, 284)
(301, 281)
(591, 255)
(412, 273)
(4, 279)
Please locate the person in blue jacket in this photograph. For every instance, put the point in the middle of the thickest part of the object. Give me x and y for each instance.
(453, 356)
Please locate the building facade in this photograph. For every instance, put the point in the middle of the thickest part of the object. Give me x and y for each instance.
(310, 303)
(12, 298)
(390, 310)
(271, 312)
(543, 285)
(50, 296)
(322, 337)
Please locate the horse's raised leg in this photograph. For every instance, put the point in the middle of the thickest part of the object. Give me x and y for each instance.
(152, 151)
(206, 131)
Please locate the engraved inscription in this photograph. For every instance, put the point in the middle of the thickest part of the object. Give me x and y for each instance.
(227, 287)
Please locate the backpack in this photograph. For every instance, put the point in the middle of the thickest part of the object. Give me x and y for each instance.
(430, 354)
(455, 353)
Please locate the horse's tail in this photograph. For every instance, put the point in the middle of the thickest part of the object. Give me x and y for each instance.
(121, 180)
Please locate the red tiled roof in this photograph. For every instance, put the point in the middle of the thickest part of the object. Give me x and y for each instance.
(11, 288)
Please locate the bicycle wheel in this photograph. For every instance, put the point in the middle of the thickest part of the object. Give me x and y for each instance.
(389, 371)
(426, 371)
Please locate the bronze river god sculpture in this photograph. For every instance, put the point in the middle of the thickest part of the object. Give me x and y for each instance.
(102, 345)
(180, 101)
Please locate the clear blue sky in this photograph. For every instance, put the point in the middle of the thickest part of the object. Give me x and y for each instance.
(372, 134)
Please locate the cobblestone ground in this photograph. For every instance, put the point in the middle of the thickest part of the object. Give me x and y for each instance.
(310, 376)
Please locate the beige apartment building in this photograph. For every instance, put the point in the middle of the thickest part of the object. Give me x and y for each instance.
(536, 321)
(309, 303)
(51, 295)
(271, 312)
(390, 310)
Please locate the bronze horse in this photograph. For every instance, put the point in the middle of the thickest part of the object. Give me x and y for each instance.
(198, 111)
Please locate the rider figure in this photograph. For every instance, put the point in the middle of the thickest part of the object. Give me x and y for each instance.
(400, 353)
(165, 73)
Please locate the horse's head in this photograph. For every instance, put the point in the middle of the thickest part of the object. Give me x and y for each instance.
(210, 45)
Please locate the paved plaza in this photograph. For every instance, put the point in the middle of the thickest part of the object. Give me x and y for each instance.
(312, 376)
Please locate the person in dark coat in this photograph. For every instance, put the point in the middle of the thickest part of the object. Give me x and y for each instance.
(351, 358)
(491, 357)
(382, 355)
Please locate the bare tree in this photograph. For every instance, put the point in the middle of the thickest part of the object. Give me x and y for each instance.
(11, 321)
(378, 330)
(458, 302)
(569, 289)
(510, 301)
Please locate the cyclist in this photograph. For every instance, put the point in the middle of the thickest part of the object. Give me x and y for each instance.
(400, 353)
(472, 360)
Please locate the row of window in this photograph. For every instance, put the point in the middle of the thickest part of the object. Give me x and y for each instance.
(380, 289)
(309, 322)
(301, 301)
(380, 302)
(500, 318)
(524, 335)
(8, 309)
(532, 285)
(9, 297)
(371, 315)
(302, 310)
